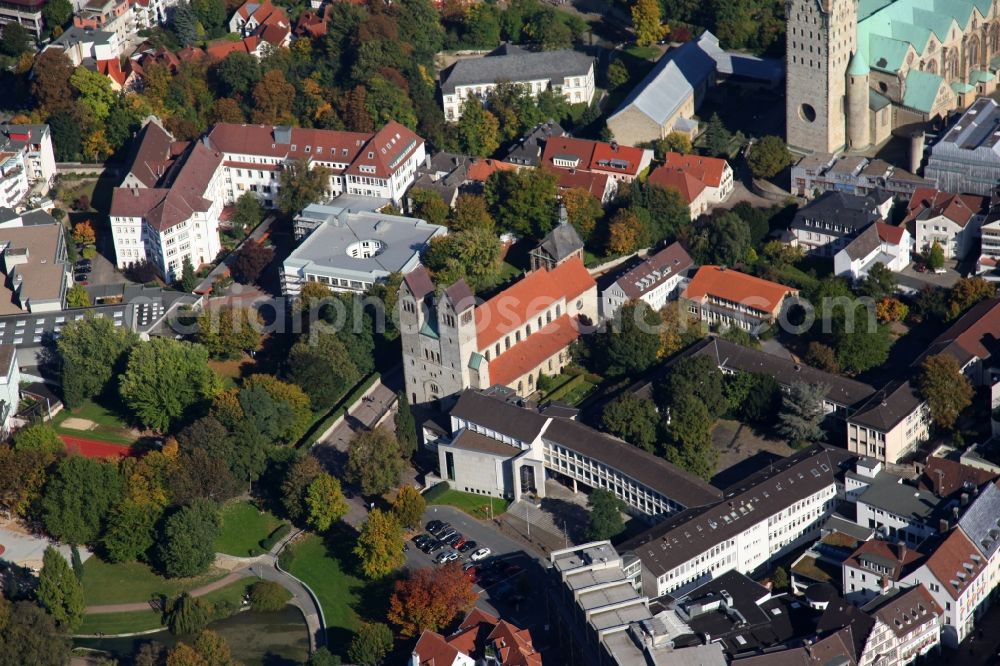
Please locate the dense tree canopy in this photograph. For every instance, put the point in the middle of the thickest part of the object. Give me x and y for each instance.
(91, 351)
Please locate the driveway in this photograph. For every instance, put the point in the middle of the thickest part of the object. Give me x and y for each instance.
(104, 280)
(910, 279)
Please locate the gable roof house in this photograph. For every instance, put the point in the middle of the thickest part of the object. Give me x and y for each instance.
(877, 243)
(479, 636)
(656, 279)
(731, 298)
(953, 220)
(829, 222)
(565, 155)
(560, 244)
(261, 19)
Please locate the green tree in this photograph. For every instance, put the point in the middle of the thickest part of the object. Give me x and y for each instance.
(946, 389)
(472, 255)
(288, 404)
(647, 22)
(185, 25)
(768, 157)
(523, 202)
(409, 506)
(228, 331)
(632, 341)
(605, 519)
(428, 205)
(323, 657)
(247, 213)
(800, 420)
(323, 370)
(213, 649)
(380, 545)
(59, 591)
(236, 75)
(199, 475)
(780, 579)
(131, 530)
(370, 645)
(387, 101)
(38, 437)
(29, 635)
(268, 596)
(406, 427)
(188, 280)
(617, 74)
(863, 344)
(754, 397)
(717, 137)
(634, 419)
(967, 292)
(478, 130)
(79, 493)
(66, 134)
(301, 186)
(295, 483)
(675, 142)
(697, 376)
(935, 257)
(187, 542)
(583, 210)
(91, 351)
(325, 502)
(690, 437)
(373, 461)
(212, 16)
(879, 283)
(188, 615)
(95, 93)
(164, 379)
(722, 239)
(15, 40)
(56, 14)
(77, 296)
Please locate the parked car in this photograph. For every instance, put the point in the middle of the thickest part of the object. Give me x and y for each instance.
(472, 573)
(83, 266)
(467, 546)
(480, 554)
(447, 534)
(940, 271)
(458, 543)
(433, 525)
(81, 278)
(434, 547)
(453, 539)
(442, 529)
(447, 557)
(920, 268)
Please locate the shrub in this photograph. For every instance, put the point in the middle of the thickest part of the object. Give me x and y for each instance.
(279, 533)
(89, 252)
(266, 595)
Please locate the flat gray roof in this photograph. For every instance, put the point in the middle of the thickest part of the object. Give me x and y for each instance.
(337, 245)
(888, 492)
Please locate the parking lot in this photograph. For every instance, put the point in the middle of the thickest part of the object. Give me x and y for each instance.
(505, 579)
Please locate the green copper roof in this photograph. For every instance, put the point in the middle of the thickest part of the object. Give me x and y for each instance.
(886, 54)
(475, 360)
(921, 89)
(858, 66)
(939, 24)
(430, 328)
(877, 100)
(979, 76)
(917, 35)
(960, 87)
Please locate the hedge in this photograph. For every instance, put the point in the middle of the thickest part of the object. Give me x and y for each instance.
(279, 533)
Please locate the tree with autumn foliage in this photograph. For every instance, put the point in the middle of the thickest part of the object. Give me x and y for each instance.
(626, 233)
(967, 292)
(583, 210)
(647, 21)
(50, 83)
(380, 545)
(272, 99)
(430, 599)
(946, 389)
(301, 185)
(251, 260)
(83, 233)
(408, 507)
(891, 309)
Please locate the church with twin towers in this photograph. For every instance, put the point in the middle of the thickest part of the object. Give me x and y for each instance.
(856, 69)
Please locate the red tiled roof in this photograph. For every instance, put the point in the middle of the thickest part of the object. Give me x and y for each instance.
(708, 170)
(592, 155)
(388, 148)
(220, 48)
(595, 183)
(533, 350)
(686, 184)
(153, 155)
(959, 208)
(945, 477)
(514, 645)
(112, 69)
(948, 563)
(902, 559)
(311, 24)
(433, 650)
(890, 233)
(737, 287)
(523, 300)
(317, 144)
(976, 332)
(480, 170)
(909, 610)
(190, 54)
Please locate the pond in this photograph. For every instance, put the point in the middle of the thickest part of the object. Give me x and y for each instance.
(256, 638)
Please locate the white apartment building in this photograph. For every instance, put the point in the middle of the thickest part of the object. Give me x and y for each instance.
(878, 243)
(26, 159)
(567, 71)
(762, 517)
(660, 278)
(381, 165)
(167, 208)
(86, 43)
(27, 13)
(953, 220)
(896, 510)
(113, 16)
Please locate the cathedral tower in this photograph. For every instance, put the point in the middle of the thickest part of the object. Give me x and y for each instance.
(858, 115)
(821, 37)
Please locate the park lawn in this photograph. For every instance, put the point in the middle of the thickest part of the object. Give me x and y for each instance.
(338, 591)
(121, 623)
(109, 426)
(131, 582)
(243, 527)
(643, 52)
(231, 594)
(477, 506)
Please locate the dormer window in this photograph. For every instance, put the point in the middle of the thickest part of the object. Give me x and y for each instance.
(308, 149)
(371, 155)
(294, 147)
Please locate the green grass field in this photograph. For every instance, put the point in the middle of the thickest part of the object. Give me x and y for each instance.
(243, 527)
(337, 590)
(121, 623)
(110, 428)
(474, 505)
(132, 582)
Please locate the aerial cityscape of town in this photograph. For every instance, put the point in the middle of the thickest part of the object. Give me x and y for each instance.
(499, 332)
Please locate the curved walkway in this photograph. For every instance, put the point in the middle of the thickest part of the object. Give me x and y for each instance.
(264, 567)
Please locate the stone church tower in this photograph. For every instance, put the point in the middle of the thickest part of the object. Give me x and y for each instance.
(821, 39)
